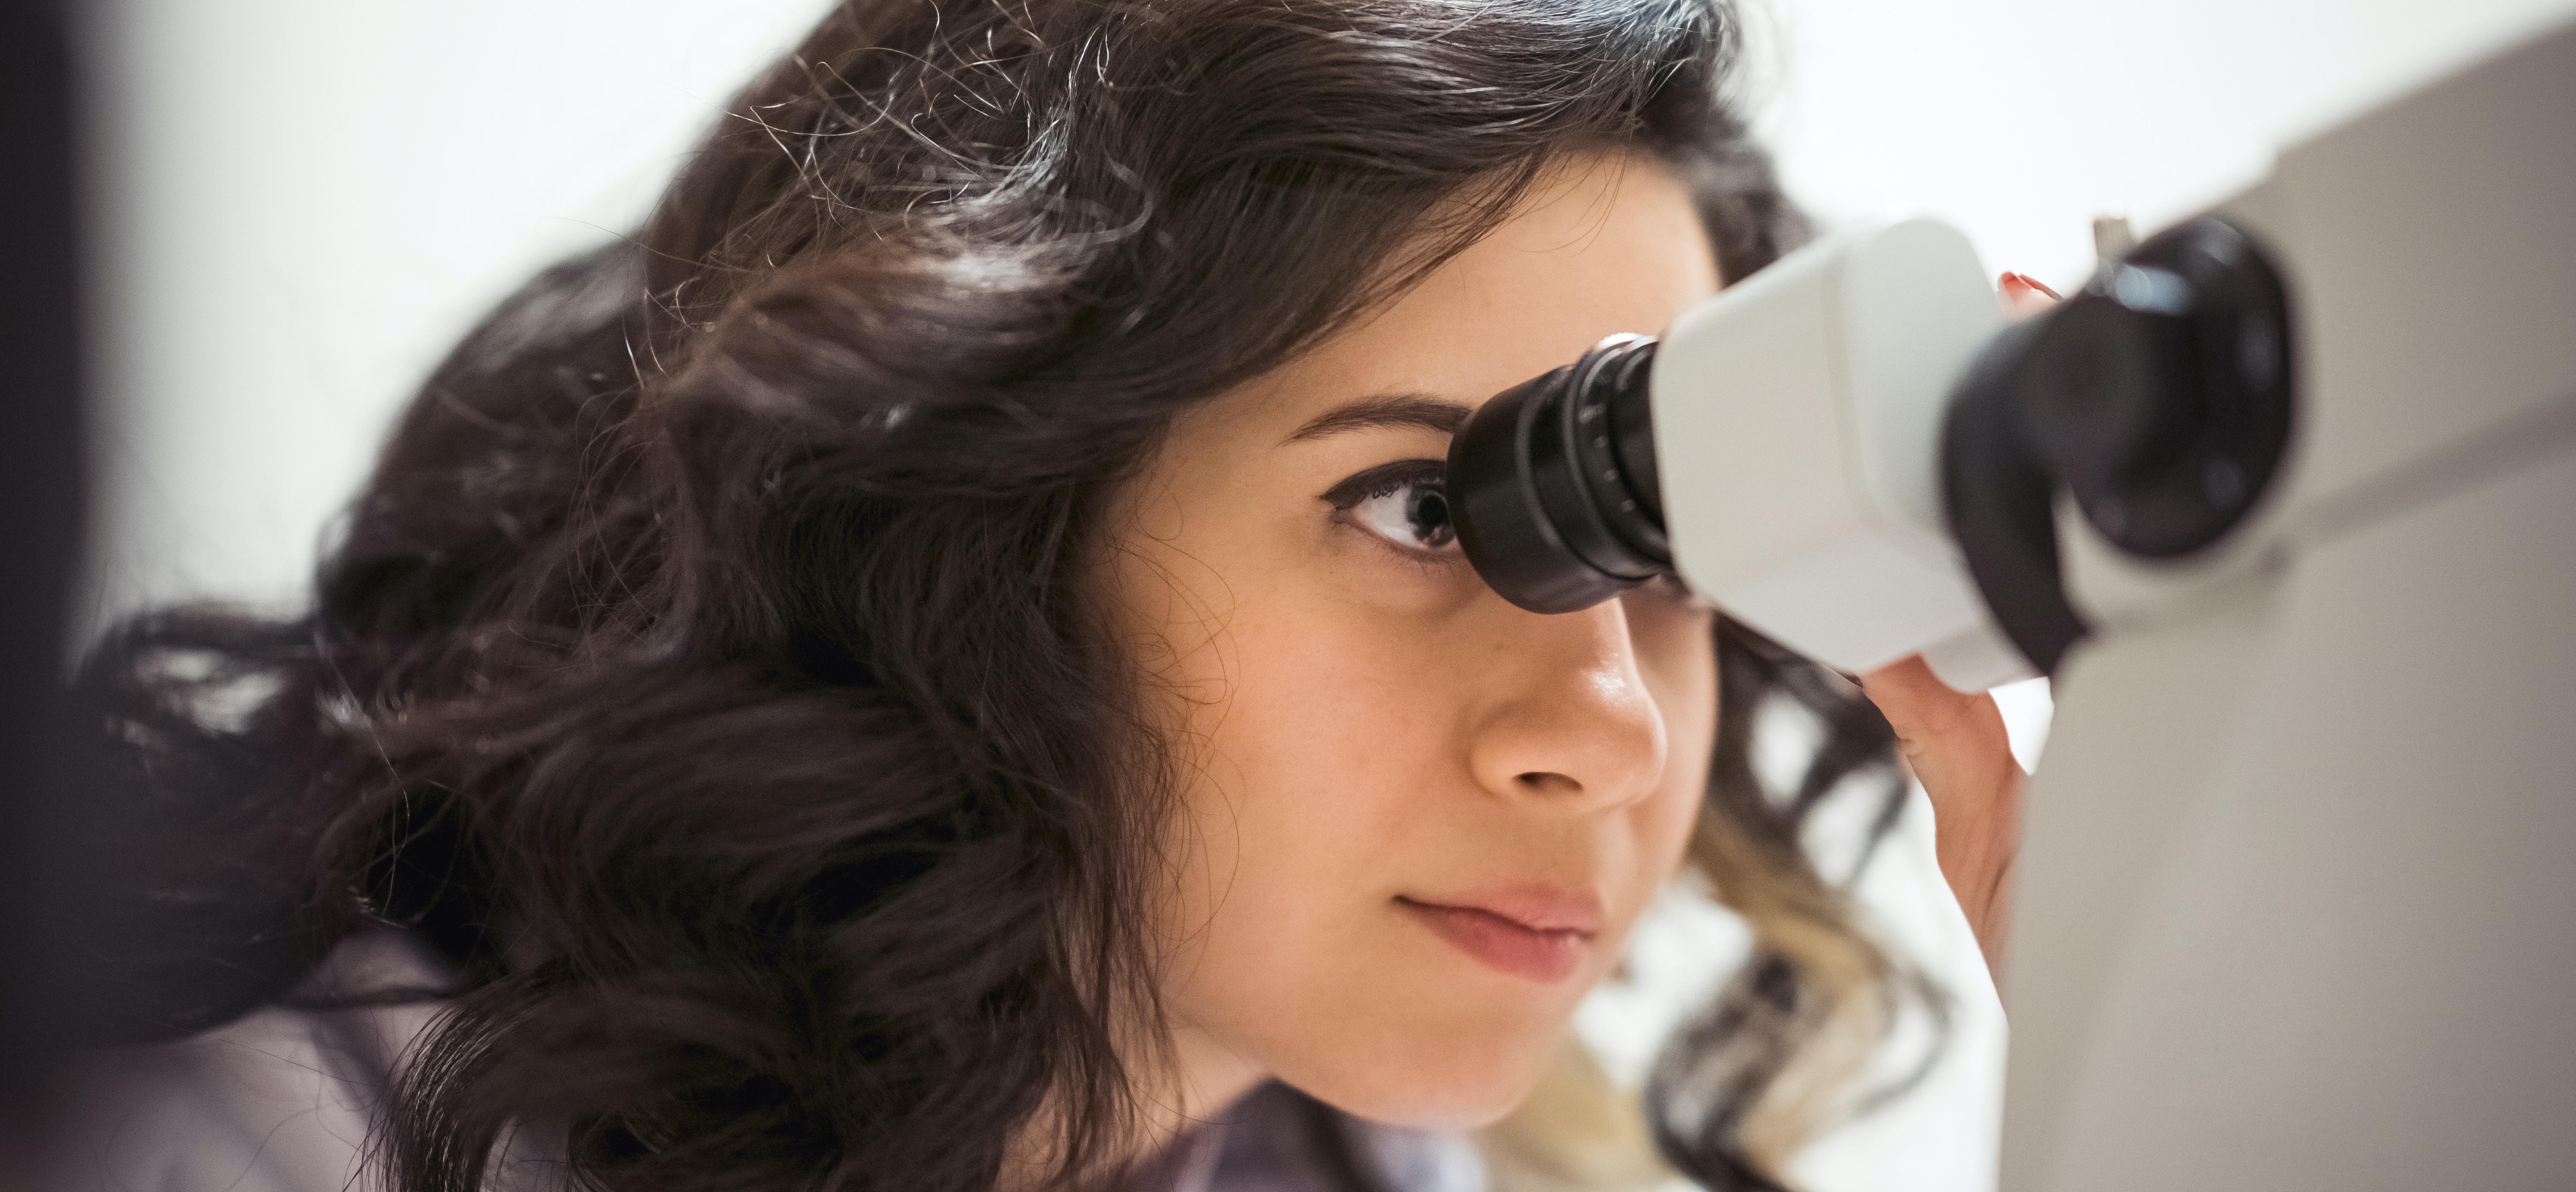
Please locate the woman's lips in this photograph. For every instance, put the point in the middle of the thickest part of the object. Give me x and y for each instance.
(1540, 943)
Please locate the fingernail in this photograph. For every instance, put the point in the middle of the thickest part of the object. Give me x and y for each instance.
(2028, 282)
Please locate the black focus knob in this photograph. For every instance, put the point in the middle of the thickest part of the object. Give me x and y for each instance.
(2161, 397)
(2162, 392)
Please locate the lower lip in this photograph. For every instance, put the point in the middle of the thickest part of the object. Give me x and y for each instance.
(1503, 945)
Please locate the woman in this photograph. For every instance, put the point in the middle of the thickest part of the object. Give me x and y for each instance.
(940, 664)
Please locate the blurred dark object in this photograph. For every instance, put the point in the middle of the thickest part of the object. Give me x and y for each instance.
(41, 499)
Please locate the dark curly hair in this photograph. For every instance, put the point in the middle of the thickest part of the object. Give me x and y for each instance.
(711, 666)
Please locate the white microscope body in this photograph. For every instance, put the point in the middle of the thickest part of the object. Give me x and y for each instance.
(1798, 420)
(2294, 901)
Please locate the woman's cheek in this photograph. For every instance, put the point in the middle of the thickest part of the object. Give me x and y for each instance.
(1301, 823)
(1344, 708)
(1370, 582)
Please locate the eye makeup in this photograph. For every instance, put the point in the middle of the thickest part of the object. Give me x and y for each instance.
(1386, 479)
(1402, 503)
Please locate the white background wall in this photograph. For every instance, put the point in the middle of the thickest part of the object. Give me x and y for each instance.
(300, 203)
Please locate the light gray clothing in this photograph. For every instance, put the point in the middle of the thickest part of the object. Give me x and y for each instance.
(280, 1100)
(1262, 1143)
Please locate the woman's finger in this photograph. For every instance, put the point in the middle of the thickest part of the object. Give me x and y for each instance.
(1957, 746)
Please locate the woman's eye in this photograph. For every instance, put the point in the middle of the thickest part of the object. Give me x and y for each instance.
(1416, 515)
(1402, 503)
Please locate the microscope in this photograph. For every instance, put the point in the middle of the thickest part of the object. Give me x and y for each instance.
(2284, 501)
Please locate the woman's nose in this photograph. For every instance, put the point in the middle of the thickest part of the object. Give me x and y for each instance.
(1563, 715)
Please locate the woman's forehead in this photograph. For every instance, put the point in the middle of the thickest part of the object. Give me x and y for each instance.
(1608, 244)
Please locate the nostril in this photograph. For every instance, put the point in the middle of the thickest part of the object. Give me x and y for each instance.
(1548, 783)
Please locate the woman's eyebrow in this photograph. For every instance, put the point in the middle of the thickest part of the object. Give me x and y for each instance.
(1391, 410)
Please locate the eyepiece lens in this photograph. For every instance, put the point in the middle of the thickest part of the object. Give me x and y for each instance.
(1545, 486)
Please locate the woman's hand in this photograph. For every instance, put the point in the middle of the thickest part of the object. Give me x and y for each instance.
(1957, 746)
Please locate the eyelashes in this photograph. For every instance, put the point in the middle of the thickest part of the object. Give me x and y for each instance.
(1385, 479)
(1403, 503)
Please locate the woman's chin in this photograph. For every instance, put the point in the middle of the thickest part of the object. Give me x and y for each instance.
(1463, 1087)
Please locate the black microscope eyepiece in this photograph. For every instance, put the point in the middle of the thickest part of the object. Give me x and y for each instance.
(1553, 484)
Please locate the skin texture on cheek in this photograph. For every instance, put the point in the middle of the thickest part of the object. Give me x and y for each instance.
(1414, 822)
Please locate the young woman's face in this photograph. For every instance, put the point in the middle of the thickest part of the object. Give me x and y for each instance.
(1415, 822)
